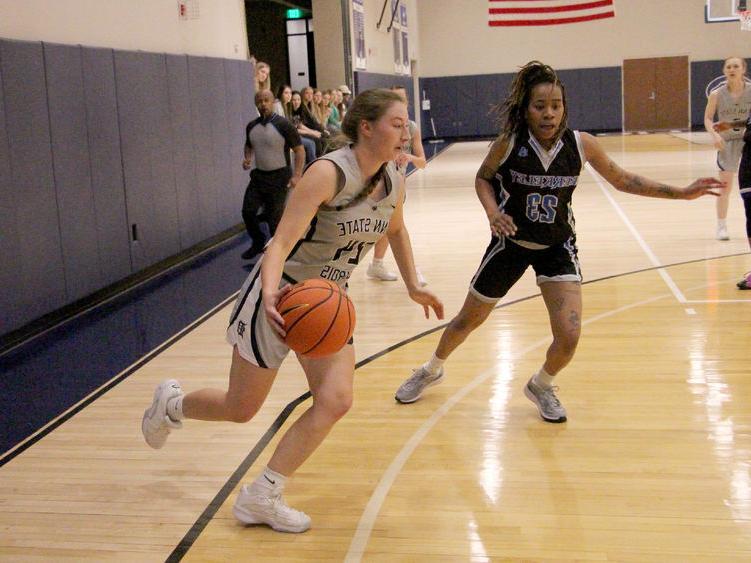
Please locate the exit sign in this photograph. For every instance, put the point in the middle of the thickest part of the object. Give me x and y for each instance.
(294, 14)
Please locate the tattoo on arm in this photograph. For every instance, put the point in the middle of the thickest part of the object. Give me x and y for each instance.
(634, 184)
(486, 172)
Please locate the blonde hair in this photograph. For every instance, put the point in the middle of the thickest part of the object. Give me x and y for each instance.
(266, 84)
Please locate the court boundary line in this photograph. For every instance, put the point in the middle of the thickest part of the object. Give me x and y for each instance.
(200, 524)
(365, 525)
(71, 411)
(369, 515)
(114, 381)
(635, 233)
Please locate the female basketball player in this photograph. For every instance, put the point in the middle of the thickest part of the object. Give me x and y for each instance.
(732, 103)
(343, 204)
(525, 185)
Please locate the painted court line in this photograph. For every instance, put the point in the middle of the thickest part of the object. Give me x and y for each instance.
(639, 239)
(372, 509)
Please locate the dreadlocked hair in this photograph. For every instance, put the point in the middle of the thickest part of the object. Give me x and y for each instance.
(369, 106)
(512, 112)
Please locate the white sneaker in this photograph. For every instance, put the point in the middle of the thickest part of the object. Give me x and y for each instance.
(722, 233)
(155, 424)
(379, 272)
(255, 506)
(420, 278)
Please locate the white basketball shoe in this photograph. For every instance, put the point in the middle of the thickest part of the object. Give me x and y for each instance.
(156, 424)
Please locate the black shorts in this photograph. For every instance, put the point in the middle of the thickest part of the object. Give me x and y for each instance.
(505, 262)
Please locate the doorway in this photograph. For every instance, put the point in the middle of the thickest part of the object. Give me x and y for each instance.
(301, 49)
(655, 94)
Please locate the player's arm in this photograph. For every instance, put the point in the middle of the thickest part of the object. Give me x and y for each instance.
(501, 224)
(709, 124)
(418, 152)
(401, 246)
(625, 181)
(316, 187)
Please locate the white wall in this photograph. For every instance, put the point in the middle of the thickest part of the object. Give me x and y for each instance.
(145, 25)
(378, 42)
(455, 38)
(329, 42)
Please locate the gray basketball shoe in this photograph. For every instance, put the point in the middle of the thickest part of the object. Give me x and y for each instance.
(551, 409)
(413, 388)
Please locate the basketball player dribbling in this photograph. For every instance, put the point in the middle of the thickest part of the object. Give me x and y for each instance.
(525, 185)
(343, 204)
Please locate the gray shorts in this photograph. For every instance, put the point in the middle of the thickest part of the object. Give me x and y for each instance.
(729, 157)
(250, 330)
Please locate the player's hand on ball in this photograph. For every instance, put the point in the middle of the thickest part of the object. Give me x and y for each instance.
(270, 301)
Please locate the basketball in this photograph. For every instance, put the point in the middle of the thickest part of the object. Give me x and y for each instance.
(319, 318)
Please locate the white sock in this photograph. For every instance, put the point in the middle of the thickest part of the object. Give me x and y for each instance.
(269, 480)
(175, 408)
(722, 222)
(434, 364)
(543, 379)
(377, 261)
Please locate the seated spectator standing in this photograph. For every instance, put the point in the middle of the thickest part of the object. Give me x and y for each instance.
(269, 138)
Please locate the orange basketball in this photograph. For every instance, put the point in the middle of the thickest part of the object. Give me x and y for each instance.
(319, 318)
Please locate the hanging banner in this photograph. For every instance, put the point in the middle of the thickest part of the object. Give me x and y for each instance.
(396, 36)
(405, 41)
(358, 27)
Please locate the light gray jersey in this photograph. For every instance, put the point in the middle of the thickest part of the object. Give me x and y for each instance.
(339, 237)
(733, 109)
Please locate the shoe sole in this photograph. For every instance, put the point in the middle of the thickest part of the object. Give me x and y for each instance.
(531, 397)
(246, 517)
(379, 279)
(431, 384)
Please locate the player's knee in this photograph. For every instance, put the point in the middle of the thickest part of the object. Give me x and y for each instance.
(466, 323)
(567, 343)
(242, 413)
(334, 405)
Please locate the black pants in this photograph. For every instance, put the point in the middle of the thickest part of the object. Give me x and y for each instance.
(267, 189)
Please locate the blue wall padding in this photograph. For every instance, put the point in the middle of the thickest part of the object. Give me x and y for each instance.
(191, 224)
(73, 186)
(461, 106)
(105, 163)
(200, 72)
(31, 220)
(369, 80)
(146, 144)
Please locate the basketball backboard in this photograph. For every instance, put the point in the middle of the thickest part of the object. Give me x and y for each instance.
(724, 10)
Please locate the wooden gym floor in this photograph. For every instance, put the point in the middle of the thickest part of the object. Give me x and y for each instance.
(652, 465)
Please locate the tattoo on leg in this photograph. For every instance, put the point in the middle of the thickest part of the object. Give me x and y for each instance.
(573, 318)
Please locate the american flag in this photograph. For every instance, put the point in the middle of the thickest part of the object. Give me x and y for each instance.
(547, 12)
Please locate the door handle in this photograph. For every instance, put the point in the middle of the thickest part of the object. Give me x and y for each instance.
(652, 96)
